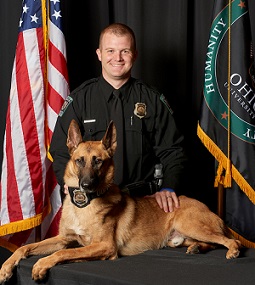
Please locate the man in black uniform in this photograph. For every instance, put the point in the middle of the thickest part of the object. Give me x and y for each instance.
(150, 133)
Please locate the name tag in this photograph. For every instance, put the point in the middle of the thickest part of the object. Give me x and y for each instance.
(89, 121)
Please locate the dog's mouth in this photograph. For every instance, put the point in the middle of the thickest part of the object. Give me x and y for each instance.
(87, 189)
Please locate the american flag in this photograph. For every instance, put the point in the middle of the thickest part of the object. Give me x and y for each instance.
(29, 194)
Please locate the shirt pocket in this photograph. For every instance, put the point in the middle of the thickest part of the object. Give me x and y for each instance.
(139, 135)
(94, 129)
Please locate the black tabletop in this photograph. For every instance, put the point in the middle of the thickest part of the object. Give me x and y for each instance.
(160, 267)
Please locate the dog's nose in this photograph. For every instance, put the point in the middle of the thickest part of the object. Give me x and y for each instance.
(84, 185)
(89, 184)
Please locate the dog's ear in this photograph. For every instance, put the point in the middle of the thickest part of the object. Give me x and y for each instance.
(110, 139)
(74, 136)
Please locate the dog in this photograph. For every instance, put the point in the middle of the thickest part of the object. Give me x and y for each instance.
(99, 222)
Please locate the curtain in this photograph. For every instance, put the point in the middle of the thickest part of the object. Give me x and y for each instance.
(172, 39)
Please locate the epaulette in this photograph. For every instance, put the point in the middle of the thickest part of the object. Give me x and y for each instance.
(85, 83)
(147, 86)
(69, 99)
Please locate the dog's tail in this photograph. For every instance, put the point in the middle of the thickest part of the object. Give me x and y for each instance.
(228, 233)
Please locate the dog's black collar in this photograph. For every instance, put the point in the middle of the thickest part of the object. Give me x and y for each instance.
(79, 198)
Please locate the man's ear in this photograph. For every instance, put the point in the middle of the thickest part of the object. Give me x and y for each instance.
(98, 52)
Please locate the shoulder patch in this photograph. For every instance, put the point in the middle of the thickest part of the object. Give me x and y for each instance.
(165, 102)
(67, 102)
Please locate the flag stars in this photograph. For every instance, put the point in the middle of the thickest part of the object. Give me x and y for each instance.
(20, 22)
(25, 8)
(54, 1)
(224, 115)
(56, 14)
(241, 4)
(34, 18)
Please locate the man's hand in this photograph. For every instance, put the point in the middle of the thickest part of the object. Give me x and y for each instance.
(66, 189)
(166, 200)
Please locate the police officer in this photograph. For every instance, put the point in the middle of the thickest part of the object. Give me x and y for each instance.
(150, 133)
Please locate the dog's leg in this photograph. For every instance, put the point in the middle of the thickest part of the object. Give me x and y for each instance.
(218, 235)
(46, 246)
(208, 238)
(95, 251)
(233, 246)
(194, 247)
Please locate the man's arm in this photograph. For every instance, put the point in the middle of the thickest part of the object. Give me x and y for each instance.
(59, 152)
(58, 148)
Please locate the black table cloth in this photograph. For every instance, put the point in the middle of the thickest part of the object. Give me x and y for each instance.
(160, 267)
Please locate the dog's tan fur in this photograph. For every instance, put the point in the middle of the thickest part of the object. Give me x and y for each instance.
(115, 224)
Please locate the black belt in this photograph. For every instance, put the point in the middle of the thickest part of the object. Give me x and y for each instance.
(140, 188)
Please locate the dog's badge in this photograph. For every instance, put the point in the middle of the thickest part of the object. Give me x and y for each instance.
(140, 110)
(78, 197)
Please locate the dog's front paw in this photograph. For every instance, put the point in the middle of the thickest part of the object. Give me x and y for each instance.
(40, 269)
(5, 273)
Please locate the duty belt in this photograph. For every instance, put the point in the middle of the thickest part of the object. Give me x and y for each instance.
(140, 188)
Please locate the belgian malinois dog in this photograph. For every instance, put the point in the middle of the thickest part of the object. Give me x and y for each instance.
(105, 223)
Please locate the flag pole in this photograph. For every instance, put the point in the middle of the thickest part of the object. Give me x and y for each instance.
(220, 206)
(44, 5)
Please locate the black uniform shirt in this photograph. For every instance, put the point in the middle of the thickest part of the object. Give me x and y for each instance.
(150, 138)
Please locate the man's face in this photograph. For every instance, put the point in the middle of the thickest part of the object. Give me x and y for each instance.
(117, 56)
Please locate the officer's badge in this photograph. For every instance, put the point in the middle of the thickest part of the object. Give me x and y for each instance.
(140, 110)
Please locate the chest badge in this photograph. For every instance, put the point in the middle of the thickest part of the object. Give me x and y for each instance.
(140, 110)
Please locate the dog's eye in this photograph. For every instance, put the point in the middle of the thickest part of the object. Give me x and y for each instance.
(80, 162)
(98, 160)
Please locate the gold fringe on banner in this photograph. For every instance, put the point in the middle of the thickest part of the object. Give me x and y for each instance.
(223, 164)
(228, 177)
(219, 179)
(25, 224)
(244, 241)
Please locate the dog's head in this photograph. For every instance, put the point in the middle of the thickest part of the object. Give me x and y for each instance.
(90, 167)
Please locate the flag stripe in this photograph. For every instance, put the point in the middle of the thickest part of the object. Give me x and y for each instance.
(55, 101)
(27, 76)
(18, 174)
(15, 208)
(58, 60)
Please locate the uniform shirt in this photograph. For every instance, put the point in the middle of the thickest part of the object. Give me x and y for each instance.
(150, 138)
